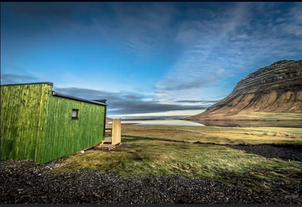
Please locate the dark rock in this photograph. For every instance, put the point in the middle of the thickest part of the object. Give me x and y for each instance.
(286, 152)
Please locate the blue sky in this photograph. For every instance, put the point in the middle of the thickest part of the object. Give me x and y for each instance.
(146, 58)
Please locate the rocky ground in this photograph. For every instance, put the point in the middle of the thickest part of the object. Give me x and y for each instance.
(286, 152)
(27, 182)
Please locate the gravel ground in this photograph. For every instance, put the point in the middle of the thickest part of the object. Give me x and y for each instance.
(286, 152)
(28, 182)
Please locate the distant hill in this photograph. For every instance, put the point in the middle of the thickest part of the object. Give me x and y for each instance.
(108, 119)
(276, 89)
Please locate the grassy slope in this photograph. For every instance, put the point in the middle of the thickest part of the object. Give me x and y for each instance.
(268, 116)
(250, 116)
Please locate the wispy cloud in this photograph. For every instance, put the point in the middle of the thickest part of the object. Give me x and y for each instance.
(290, 22)
(13, 73)
(142, 29)
(199, 101)
(202, 63)
(198, 50)
(16, 78)
(126, 102)
(233, 41)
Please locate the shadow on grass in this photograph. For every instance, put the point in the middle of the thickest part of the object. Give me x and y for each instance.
(166, 157)
(282, 151)
(260, 179)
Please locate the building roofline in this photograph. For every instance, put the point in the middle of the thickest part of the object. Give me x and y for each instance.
(15, 84)
(76, 98)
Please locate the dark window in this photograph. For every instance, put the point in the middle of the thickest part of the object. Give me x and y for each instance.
(75, 113)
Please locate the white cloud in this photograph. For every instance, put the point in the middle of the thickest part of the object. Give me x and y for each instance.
(161, 114)
(234, 42)
(215, 40)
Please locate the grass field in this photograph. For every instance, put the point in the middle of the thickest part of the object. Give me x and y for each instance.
(149, 154)
(218, 135)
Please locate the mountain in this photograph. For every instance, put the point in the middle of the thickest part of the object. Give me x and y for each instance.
(108, 120)
(275, 89)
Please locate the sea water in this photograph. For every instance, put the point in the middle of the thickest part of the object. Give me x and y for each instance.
(163, 123)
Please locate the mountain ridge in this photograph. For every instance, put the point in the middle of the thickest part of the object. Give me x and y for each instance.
(276, 88)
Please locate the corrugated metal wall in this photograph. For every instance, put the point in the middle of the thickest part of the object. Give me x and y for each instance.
(23, 114)
(64, 135)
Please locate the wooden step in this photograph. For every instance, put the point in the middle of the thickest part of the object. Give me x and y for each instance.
(105, 147)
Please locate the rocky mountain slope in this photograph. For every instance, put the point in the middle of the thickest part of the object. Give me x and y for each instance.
(108, 120)
(276, 88)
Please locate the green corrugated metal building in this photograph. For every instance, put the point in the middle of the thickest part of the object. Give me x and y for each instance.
(39, 124)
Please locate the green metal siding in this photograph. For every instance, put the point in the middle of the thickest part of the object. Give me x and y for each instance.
(23, 114)
(64, 135)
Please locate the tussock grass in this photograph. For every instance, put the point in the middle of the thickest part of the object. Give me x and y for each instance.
(153, 156)
(219, 135)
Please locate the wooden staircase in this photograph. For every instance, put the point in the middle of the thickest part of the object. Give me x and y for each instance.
(110, 143)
